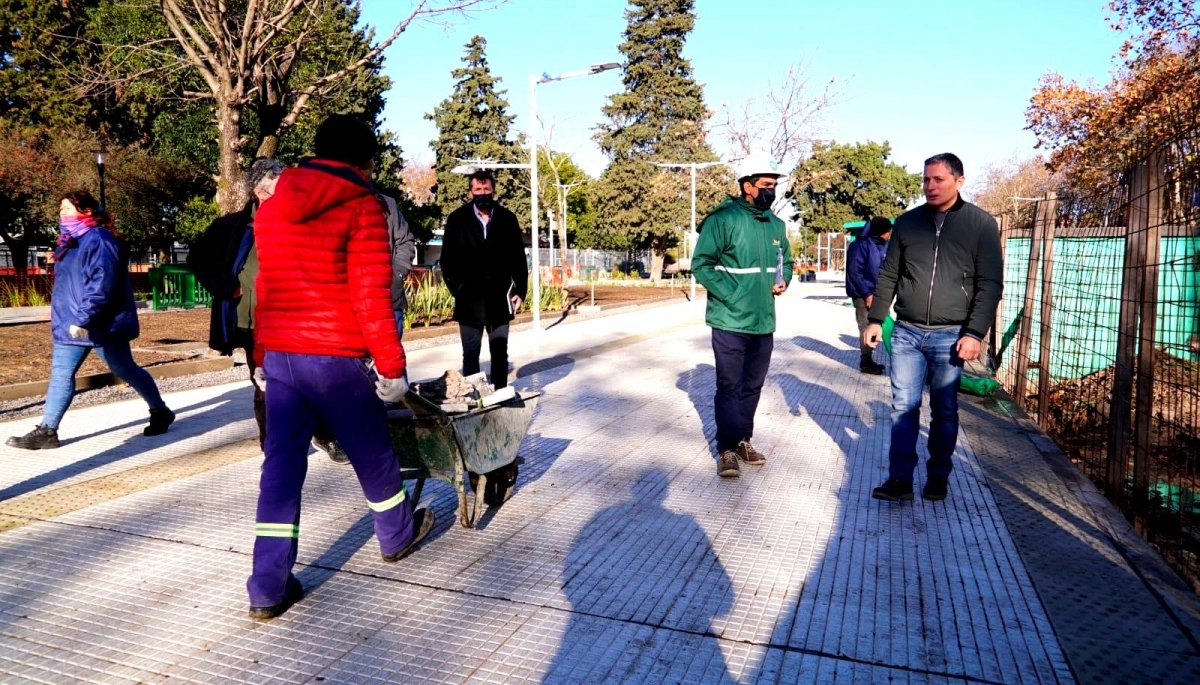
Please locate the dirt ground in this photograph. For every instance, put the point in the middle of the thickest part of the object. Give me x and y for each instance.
(25, 348)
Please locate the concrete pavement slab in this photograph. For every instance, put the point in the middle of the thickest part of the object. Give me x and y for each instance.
(621, 557)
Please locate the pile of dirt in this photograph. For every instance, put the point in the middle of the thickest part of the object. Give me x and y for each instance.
(1078, 413)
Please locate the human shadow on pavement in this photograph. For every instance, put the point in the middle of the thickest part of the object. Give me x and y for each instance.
(644, 585)
(321, 569)
(539, 452)
(191, 426)
(540, 374)
(847, 357)
(700, 384)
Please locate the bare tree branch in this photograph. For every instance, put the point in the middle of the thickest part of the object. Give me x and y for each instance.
(784, 121)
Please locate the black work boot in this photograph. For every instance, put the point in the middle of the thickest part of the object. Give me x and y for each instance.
(160, 420)
(294, 592)
(936, 488)
(422, 525)
(40, 438)
(894, 490)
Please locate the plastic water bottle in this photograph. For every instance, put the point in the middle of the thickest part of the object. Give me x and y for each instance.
(779, 279)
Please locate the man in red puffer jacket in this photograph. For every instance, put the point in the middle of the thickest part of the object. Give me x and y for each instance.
(324, 305)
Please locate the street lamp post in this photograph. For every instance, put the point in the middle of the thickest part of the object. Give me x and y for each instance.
(101, 154)
(691, 167)
(534, 80)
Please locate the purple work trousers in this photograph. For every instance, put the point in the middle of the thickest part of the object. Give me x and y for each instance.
(303, 389)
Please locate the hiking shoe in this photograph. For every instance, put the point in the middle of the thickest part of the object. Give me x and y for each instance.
(727, 464)
(292, 594)
(894, 490)
(750, 455)
(422, 524)
(872, 369)
(40, 438)
(936, 488)
(332, 449)
(160, 421)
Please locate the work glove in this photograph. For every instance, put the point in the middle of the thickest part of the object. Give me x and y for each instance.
(77, 332)
(260, 379)
(391, 389)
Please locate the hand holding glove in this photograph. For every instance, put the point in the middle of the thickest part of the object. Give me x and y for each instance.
(77, 332)
(391, 389)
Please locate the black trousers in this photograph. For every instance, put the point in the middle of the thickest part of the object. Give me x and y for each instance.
(742, 360)
(472, 342)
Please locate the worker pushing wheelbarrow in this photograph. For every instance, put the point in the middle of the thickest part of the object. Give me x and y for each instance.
(464, 443)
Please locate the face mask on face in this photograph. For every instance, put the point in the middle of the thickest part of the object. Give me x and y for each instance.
(483, 202)
(766, 198)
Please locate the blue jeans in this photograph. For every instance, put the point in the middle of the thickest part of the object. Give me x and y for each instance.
(339, 392)
(918, 356)
(741, 361)
(65, 362)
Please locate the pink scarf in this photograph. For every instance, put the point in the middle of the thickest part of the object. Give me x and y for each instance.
(70, 231)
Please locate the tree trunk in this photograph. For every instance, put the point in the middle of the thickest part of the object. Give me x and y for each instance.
(658, 250)
(230, 194)
(18, 250)
(268, 147)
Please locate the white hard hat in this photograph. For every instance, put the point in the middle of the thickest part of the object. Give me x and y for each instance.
(758, 164)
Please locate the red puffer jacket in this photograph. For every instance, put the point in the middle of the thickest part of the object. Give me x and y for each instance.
(325, 272)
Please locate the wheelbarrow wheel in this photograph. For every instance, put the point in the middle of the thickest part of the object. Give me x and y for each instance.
(499, 484)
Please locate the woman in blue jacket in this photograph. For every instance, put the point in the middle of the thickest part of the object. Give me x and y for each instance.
(91, 307)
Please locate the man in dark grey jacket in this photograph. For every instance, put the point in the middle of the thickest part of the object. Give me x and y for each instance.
(944, 269)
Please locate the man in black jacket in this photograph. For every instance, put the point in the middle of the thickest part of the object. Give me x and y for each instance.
(483, 264)
(225, 263)
(945, 270)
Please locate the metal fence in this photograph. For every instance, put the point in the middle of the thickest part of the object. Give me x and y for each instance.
(1098, 337)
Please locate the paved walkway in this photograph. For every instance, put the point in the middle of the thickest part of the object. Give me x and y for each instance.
(621, 557)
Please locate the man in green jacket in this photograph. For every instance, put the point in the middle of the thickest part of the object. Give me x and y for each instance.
(743, 260)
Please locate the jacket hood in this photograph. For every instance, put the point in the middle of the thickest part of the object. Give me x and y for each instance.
(315, 187)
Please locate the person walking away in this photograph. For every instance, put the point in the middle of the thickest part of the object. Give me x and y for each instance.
(404, 250)
(944, 268)
(225, 261)
(91, 307)
(324, 304)
(483, 264)
(863, 259)
(744, 262)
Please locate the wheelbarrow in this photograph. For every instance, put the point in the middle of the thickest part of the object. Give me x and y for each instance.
(477, 447)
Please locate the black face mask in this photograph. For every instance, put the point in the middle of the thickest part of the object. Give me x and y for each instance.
(483, 202)
(766, 198)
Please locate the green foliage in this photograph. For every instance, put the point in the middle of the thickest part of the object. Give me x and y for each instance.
(195, 218)
(33, 53)
(13, 296)
(473, 123)
(843, 183)
(659, 117)
(561, 179)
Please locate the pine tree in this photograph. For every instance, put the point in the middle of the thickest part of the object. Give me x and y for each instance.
(659, 117)
(473, 123)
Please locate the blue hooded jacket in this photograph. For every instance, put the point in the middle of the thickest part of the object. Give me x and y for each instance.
(92, 291)
(863, 259)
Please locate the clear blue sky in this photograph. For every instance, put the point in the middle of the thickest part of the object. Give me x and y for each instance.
(926, 76)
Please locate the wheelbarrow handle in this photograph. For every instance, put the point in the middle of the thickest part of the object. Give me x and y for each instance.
(420, 406)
